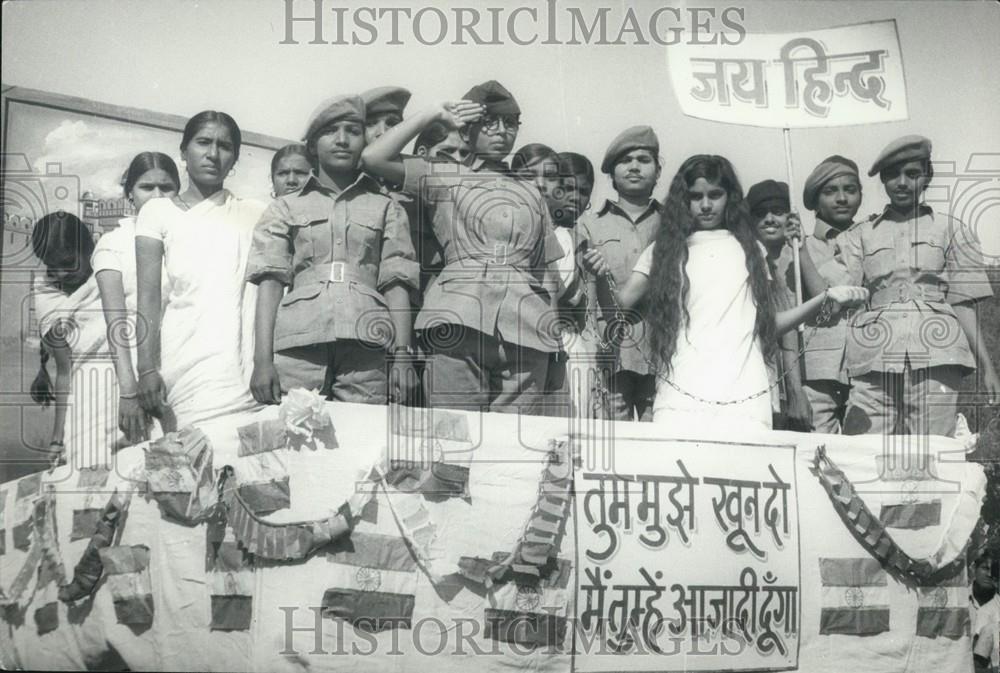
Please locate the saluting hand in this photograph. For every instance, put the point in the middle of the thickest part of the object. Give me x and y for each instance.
(458, 113)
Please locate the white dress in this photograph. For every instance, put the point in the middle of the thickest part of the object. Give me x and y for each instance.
(717, 358)
(206, 333)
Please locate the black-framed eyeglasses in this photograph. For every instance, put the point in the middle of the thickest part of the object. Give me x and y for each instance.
(491, 123)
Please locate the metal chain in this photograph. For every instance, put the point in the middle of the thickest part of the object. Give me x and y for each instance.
(604, 395)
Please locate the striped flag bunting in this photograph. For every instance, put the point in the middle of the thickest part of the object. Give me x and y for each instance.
(89, 568)
(286, 541)
(911, 515)
(265, 497)
(179, 474)
(871, 533)
(437, 481)
(374, 582)
(28, 490)
(855, 597)
(230, 573)
(261, 437)
(43, 549)
(127, 573)
(47, 586)
(532, 613)
(428, 423)
(86, 518)
(943, 610)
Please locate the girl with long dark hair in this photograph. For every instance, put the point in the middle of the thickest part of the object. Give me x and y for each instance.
(710, 318)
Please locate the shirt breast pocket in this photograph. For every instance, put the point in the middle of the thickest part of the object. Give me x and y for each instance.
(929, 254)
(879, 257)
(364, 241)
(305, 233)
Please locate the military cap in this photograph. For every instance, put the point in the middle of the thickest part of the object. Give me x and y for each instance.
(494, 97)
(385, 99)
(634, 138)
(767, 192)
(333, 109)
(907, 148)
(832, 167)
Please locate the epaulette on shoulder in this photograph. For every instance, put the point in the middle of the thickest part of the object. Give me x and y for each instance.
(871, 219)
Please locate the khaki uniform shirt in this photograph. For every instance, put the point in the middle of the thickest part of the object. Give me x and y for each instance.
(915, 271)
(824, 346)
(497, 241)
(621, 241)
(337, 252)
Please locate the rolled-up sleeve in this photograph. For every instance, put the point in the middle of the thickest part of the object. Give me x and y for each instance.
(964, 270)
(272, 251)
(399, 259)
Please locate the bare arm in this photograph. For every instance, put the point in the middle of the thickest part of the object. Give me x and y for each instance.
(149, 267)
(842, 296)
(626, 298)
(57, 346)
(382, 157)
(966, 314)
(132, 420)
(112, 290)
(264, 383)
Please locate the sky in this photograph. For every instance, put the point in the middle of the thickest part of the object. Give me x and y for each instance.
(182, 56)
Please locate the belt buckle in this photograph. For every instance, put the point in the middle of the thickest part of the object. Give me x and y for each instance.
(499, 253)
(337, 272)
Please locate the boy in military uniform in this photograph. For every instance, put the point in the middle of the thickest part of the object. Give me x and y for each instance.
(619, 232)
(343, 249)
(833, 191)
(487, 319)
(924, 270)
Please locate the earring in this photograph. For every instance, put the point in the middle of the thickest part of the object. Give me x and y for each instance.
(231, 173)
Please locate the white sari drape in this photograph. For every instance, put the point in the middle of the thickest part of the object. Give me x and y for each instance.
(206, 334)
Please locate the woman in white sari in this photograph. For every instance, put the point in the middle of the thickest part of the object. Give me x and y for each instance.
(196, 360)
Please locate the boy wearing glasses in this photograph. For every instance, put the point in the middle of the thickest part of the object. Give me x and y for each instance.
(487, 319)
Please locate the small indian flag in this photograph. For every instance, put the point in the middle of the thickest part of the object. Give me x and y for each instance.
(855, 597)
(943, 610)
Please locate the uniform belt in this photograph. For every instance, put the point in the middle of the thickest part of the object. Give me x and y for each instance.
(332, 272)
(904, 292)
(500, 255)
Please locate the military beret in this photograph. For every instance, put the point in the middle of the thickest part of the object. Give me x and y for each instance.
(385, 99)
(828, 169)
(333, 109)
(634, 138)
(767, 191)
(494, 97)
(907, 148)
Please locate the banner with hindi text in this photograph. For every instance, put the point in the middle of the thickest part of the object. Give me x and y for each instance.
(830, 77)
(688, 557)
